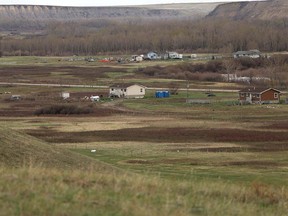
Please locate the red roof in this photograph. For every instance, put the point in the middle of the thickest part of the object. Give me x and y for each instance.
(257, 90)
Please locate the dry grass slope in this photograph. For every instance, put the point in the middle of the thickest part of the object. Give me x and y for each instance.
(264, 10)
(20, 150)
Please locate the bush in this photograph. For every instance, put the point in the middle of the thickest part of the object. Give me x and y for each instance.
(63, 110)
(246, 63)
(214, 66)
(279, 59)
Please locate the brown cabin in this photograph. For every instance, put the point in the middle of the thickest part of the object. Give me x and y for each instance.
(259, 95)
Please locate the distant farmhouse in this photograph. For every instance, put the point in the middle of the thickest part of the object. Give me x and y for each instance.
(259, 95)
(173, 55)
(127, 90)
(248, 54)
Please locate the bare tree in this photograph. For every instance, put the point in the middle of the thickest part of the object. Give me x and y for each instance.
(173, 88)
(230, 67)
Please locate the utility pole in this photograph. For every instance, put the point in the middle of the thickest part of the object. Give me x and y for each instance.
(187, 88)
(1, 47)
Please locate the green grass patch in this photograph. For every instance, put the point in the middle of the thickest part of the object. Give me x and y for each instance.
(237, 168)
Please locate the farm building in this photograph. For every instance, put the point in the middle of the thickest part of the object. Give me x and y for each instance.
(127, 90)
(81, 96)
(259, 95)
(249, 54)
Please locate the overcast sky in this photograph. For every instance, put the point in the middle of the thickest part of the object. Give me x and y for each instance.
(103, 2)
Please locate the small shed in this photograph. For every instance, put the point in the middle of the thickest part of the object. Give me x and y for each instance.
(259, 95)
(126, 90)
(65, 95)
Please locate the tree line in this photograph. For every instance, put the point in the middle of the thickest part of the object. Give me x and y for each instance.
(274, 68)
(141, 36)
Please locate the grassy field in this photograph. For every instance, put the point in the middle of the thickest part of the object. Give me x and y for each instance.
(153, 156)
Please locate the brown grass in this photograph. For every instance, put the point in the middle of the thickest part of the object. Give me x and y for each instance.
(162, 135)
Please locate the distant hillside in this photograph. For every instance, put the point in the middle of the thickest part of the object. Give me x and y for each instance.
(18, 149)
(39, 13)
(264, 10)
(21, 18)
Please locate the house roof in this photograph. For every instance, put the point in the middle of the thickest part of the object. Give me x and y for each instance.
(257, 90)
(124, 85)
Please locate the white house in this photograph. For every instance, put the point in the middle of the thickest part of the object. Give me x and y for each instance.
(249, 54)
(127, 90)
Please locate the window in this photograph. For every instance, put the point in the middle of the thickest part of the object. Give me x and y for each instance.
(141, 90)
(112, 89)
(242, 95)
(275, 95)
(125, 90)
(258, 95)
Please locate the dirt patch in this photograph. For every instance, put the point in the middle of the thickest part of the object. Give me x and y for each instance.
(138, 161)
(65, 75)
(281, 125)
(175, 135)
(188, 161)
(196, 162)
(251, 163)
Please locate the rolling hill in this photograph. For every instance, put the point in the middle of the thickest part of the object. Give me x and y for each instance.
(18, 149)
(263, 10)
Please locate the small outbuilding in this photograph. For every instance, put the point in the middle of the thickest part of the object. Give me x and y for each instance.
(65, 95)
(126, 90)
(137, 58)
(254, 95)
(162, 94)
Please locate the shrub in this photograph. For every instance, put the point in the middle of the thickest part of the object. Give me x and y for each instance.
(214, 66)
(279, 59)
(246, 63)
(63, 110)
